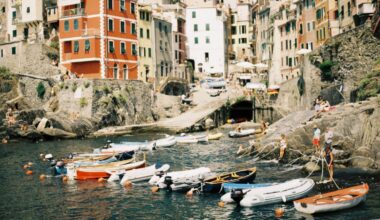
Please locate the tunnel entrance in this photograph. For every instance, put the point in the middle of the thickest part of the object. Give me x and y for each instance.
(241, 111)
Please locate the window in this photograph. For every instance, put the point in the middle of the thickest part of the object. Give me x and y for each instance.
(133, 9)
(207, 27)
(166, 29)
(342, 11)
(87, 45)
(195, 27)
(166, 46)
(122, 26)
(111, 47)
(141, 33)
(133, 28)
(67, 25)
(125, 72)
(308, 26)
(122, 5)
(134, 51)
(140, 49)
(159, 26)
(349, 9)
(207, 40)
(243, 29)
(176, 38)
(290, 44)
(110, 24)
(147, 16)
(122, 48)
(295, 43)
(290, 62)
(110, 4)
(166, 68)
(194, 14)
(14, 33)
(28, 10)
(1, 53)
(286, 44)
(161, 48)
(162, 68)
(144, 52)
(13, 50)
(76, 25)
(14, 14)
(233, 30)
(115, 71)
(301, 30)
(206, 57)
(76, 46)
(287, 61)
(149, 52)
(147, 33)
(233, 41)
(196, 41)
(282, 46)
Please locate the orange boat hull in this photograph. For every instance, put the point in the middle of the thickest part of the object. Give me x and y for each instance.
(96, 174)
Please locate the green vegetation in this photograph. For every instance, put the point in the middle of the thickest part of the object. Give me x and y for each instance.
(106, 89)
(325, 68)
(74, 87)
(83, 102)
(53, 55)
(369, 86)
(41, 90)
(5, 73)
(240, 99)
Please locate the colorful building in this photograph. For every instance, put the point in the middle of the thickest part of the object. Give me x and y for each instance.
(98, 39)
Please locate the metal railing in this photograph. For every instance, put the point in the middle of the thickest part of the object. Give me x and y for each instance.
(73, 12)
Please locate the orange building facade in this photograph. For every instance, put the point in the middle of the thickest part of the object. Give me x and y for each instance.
(98, 38)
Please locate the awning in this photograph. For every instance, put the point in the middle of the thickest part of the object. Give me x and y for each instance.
(255, 85)
(68, 2)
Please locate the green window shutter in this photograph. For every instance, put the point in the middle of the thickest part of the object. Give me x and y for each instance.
(76, 46)
(67, 25)
(122, 27)
(123, 51)
(76, 25)
(134, 51)
(87, 45)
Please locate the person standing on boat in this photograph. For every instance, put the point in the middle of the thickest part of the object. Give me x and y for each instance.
(328, 139)
(283, 145)
(316, 137)
(329, 157)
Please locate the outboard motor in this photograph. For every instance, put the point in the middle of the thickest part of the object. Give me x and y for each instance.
(125, 156)
(168, 182)
(237, 195)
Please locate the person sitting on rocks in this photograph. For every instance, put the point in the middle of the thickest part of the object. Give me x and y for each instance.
(326, 106)
(283, 145)
(264, 127)
(11, 120)
(238, 129)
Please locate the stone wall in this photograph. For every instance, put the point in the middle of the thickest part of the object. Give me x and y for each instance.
(29, 58)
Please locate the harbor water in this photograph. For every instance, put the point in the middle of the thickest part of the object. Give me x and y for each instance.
(26, 197)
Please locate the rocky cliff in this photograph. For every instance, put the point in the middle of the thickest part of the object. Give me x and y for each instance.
(356, 131)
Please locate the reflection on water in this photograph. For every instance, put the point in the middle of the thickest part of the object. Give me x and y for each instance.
(26, 197)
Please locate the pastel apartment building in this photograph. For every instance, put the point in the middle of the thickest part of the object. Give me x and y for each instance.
(98, 39)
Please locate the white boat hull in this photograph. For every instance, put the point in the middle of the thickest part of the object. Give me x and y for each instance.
(242, 133)
(142, 174)
(283, 192)
(166, 142)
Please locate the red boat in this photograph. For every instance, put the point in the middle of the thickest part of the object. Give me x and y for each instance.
(96, 172)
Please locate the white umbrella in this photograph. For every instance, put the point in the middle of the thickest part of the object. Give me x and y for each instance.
(303, 51)
(255, 85)
(261, 65)
(274, 87)
(245, 65)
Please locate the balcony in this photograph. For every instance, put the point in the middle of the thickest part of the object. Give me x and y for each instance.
(52, 14)
(366, 8)
(16, 21)
(91, 32)
(16, 3)
(73, 12)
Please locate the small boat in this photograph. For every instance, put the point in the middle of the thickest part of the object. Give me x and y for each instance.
(112, 158)
(117, 148)
(228, 187)
(138, 175)
(180, 180)
(214, 185)
(216, 136)
(71, 168)
(166, 142)
(333, 201)
(84, 173)
(242, 133)
(189, 139)
(281, 192)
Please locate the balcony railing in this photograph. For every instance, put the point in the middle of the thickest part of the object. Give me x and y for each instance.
(91, 32)
(72, 12)
(52, 14)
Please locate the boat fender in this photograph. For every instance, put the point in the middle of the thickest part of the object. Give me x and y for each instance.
(237, 195)
(168, 181)
(283, 198)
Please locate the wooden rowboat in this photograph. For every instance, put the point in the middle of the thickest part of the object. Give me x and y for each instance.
(104, 172)
(214, 185)
(216, 136)
(333, 201)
